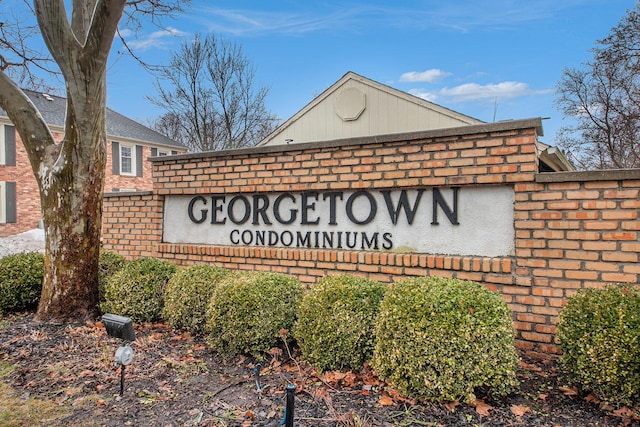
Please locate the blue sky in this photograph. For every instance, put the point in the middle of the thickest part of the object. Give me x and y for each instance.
(478, 57)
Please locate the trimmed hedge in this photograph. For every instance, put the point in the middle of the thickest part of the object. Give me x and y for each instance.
(599, 333)
(137, 290)
(187, 297)
(21, 278)
(249, 309)
(439, 339)
(336, 319)
(109, 264)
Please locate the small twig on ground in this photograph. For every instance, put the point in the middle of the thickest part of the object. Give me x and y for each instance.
(223, 388)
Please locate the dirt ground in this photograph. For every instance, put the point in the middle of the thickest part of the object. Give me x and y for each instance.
(175, 380)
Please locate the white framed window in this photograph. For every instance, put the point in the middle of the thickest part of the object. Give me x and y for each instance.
(7, 145)
(2, 149)
(127, 160)
(3, 202)
(7, 202)
(158, 152)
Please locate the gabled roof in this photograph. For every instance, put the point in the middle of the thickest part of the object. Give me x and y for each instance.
(357, 106)
(552, 159)
(53, 109)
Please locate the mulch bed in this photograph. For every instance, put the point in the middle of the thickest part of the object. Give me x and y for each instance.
(175, 380)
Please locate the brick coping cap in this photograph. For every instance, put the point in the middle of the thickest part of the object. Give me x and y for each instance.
(600, 175)
(127, 193)
(503, 126)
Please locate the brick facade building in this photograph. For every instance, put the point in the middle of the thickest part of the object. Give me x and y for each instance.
(129, 143)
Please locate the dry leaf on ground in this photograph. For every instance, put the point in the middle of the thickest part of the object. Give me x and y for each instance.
(519, 410)
(482, 408)
(569, 391)
(385, 400)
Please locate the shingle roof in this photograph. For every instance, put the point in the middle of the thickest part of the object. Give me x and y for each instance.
(53, 110)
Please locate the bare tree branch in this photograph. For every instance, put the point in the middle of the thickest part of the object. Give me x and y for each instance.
(210, 98)
(56, 32)
(147, 66)
(101, 32)
(602, 100)
(19, 59)
(24, 115)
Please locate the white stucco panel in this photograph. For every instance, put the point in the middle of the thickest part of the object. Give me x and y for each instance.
(467, 221)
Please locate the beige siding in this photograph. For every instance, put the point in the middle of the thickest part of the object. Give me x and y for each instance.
(386, 111)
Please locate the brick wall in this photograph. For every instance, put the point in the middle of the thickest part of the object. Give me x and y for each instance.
(572, 231)
(132, 223)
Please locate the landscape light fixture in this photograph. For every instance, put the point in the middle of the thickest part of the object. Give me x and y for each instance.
(289, 409)
(122, 328)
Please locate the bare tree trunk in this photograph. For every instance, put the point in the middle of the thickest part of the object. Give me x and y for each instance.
(71, 185)
(70, 174)
(72, 206)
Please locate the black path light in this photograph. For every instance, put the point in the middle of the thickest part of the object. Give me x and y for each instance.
(256, 372)
(122, 328)
(288, 411)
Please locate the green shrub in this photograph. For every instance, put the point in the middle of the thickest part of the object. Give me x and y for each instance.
(187, 297)
(438, 339)
(109, 264)
(136, 291)
(599, 333)
(20, 281)
(335, 321)
(248, 310)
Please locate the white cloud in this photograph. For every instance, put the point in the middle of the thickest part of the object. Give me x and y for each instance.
(478, 92)
(429, 76)
(245, 22)
(478, 15)
(462, 16)
(503, 90)
(125, 32)
(429, 96)
(157, 39)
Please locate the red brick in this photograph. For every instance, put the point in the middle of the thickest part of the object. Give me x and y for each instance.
(536, 337)
(600, 266)
(546, 329)
(569, 205)
(564, 186)
(555, 195)
(620, 277)
(631, 225)
(621, 194)
(600, 225)
(565, 264)
(632, 269)
(620, 257)
(582, 275)
(620, 215)
(530, 300)
(582, 195)
(599, 204)
(629, 236)
(630, 247)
